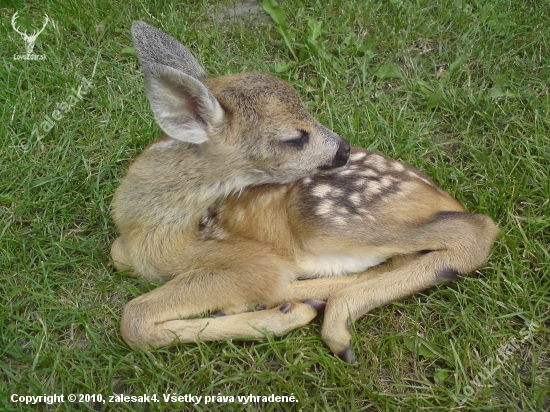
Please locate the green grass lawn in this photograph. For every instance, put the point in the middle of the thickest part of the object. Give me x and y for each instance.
(458, 89)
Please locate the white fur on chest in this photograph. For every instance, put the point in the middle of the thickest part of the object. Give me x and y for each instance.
(336, 264)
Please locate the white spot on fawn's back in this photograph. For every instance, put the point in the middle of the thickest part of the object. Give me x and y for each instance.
(339, 220)
(378, 162)
(369, 173)
(355, 199)
(398, 167)
(325, 208)
(373, 187)
(386, 182)
(322, 190)
(358, 156)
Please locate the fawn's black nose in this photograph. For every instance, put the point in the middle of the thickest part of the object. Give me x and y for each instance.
(342, 155)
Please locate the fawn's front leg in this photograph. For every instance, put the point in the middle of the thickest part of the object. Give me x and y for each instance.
(224, 275)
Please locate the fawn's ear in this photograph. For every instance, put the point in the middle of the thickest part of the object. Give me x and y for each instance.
(184, 108)
(154, 46)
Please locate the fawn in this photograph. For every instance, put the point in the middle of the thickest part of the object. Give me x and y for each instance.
(247, 201)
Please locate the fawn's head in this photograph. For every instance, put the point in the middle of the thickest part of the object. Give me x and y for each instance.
(255, 122)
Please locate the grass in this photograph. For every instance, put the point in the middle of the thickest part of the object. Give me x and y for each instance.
(459, 90)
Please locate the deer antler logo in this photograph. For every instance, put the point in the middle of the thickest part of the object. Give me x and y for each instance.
(29, 39)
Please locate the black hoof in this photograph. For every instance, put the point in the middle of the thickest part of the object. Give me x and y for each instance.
(219, 314)
(285, 308)
(347, 356)
(316, 304)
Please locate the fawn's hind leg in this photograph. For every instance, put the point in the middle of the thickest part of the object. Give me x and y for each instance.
(453, 243)
(217, 275)
(450, 244)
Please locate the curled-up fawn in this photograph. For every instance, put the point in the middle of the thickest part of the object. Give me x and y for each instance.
(247, 201)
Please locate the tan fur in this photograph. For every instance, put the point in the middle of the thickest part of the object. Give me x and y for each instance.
(248, 201)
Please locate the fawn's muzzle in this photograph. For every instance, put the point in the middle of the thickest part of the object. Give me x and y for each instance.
(341, 157)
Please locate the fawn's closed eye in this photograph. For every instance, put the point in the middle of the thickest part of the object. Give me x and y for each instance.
(299, 142)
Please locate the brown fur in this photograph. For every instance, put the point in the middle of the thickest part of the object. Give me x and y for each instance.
(248, 201)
